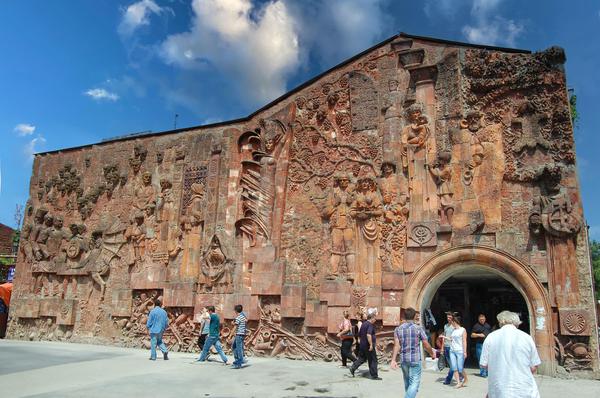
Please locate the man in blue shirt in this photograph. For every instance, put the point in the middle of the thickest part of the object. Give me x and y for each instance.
(156, 324)
(213, 337)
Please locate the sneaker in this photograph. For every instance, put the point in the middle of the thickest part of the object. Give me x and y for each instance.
(152, 359)
(376, 378)
(236, 367)
(352, 371)
(166, 356)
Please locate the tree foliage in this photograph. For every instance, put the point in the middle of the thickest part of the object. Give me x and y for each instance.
(595, 251)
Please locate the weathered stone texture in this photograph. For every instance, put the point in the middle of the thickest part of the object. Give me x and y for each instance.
(351, 192)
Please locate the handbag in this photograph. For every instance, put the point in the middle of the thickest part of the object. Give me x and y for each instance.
(442, 363)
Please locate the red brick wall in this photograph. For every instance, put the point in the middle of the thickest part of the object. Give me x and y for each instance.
(6, 236)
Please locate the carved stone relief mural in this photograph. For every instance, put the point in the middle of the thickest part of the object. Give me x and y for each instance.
(333, 198)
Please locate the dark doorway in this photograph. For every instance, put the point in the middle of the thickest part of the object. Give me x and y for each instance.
(475, 291)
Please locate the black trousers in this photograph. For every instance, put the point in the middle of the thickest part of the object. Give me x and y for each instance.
(201, 340)
(366, 356)
(347, 351)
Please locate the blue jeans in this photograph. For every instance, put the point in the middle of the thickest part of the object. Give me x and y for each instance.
(412, 378)
(156, 339)
(457, 361)
(482, 371)
(210, 341)
(238, 350)
(450, 372)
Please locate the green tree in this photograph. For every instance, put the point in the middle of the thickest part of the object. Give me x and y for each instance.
(595, 250)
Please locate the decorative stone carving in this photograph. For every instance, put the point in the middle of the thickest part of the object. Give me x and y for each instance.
(216, 268)
(443, 178)
(366, 210)
(575, 322)
(342, 228)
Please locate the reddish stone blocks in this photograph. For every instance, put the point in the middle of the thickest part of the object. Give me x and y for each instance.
(293, 301)
(336, 293)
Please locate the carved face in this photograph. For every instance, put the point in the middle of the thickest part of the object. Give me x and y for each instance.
(159, 157)
(48, 220)
(270, 145)
(393, 85)
(415, 116)
(215, 244)
(387, 169)
(58, 223)
(147, 179)
(343, 182)
(74, 229)
(149, 210)
(365, 185)
(387, 197)
(474, 123)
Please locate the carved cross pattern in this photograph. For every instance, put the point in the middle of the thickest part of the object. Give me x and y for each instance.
(529, 126)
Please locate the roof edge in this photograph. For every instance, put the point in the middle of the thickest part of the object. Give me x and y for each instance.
(464, 44)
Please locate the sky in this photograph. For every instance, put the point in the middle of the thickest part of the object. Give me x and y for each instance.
(77, 72)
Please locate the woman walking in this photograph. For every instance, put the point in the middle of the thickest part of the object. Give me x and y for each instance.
(204, 327)
(347, 336)
(458, 351)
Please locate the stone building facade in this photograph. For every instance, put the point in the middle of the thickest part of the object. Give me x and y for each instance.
(368, 186)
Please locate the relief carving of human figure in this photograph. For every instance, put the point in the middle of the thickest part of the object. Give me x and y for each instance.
(135, 234)
(418, 149)
(366, 210)
(342, 226)
(443, 176)
(145, 193)
(216, 268)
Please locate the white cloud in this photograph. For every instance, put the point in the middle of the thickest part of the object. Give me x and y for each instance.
(254, 47)
(24, 129)
(334, 30)
(33, 146)
(491, 28)
(258, 48)
(100, 94)
(138, 14)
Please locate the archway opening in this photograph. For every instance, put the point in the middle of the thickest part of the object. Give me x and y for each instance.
(471, 291)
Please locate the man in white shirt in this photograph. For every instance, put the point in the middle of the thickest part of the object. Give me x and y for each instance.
(511, 358)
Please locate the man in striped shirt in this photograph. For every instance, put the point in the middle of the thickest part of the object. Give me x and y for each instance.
(240, 333)
(407, 337)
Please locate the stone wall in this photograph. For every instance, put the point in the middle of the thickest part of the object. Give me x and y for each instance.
(329, 199)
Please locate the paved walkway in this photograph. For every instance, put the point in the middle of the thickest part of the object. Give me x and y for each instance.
(48, 369)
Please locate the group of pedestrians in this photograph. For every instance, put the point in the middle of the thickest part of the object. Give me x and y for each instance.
(507, 355)
(210, 331)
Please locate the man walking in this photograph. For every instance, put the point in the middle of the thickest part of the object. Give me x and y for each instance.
(367, 348)
(213, 337)
(448, 329)
(156, 324)
(240, 334)
(511, 358)
(407, 337)
(479, 332)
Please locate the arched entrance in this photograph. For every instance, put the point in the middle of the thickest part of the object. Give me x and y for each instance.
(426, 280)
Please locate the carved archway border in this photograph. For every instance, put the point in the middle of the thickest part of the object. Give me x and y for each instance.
(450, 261)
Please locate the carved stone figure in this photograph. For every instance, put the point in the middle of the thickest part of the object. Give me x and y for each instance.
(104, 253)
(135, 234)
(338, 213)
(418, 149)
(469, 128)
(366, 209)
(216, 268)
(145, 193)
(443, 175)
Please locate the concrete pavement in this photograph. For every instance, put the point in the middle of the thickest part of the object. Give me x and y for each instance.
(50, 369)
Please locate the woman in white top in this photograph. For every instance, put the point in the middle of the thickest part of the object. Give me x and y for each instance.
(458, 351)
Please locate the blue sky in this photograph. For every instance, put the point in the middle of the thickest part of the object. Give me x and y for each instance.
(75, 72)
